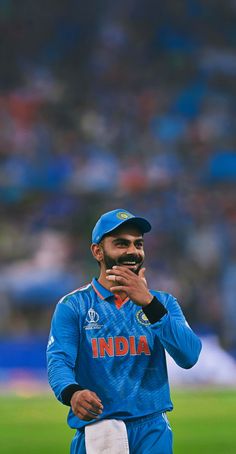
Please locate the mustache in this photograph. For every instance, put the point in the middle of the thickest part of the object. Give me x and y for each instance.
(130, 258)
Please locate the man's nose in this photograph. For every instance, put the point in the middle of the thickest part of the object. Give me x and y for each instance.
(132, 249)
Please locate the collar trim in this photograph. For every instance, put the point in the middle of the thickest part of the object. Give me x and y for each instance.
(104, 294)
(101, 291)
(119, 302)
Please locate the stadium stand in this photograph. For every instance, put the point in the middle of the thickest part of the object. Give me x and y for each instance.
(117, 105)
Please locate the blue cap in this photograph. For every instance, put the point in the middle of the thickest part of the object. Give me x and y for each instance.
(112, 219)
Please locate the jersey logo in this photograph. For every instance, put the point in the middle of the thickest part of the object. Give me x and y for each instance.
(119, 346)
(141, 318)
(92, 316)
(92, 320)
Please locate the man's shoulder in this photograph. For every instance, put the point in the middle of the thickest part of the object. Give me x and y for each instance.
(162, 296)
(77, 295)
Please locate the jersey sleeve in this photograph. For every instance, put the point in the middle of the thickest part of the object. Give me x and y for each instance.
(176, 336)
(62, 348)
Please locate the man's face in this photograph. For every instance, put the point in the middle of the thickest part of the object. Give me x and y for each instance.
(124, 247)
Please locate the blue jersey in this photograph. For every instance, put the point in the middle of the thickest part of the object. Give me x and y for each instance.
(116, 352)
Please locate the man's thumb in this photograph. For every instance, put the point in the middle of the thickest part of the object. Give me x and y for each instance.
(142, 274)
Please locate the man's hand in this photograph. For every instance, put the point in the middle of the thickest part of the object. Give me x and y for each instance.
(135, 286)
(86, 405)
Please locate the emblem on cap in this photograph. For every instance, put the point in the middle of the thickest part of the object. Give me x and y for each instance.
(123, 215)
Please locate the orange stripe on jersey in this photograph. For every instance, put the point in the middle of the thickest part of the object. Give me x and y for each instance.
(119, 302)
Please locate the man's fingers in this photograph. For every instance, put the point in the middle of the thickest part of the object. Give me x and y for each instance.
(86, 405)
(85, 413)
(95, 395)
(90, 405)
(89, 410)
(116, 278)
(119, 271)
(142, 273)
(85, 416)
(119, 289)
(88, 396)
(94, 401)
(96, 408)
(120, 275)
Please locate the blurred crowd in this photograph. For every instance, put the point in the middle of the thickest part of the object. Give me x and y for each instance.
(127, 104)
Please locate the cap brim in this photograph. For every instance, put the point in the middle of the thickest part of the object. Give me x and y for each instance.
(143, 225)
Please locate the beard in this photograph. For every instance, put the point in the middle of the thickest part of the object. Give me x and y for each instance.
(110, 262)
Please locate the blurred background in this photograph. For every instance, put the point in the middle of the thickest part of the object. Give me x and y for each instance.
(117, 104)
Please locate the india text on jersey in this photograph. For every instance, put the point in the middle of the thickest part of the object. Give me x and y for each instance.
(119, 346)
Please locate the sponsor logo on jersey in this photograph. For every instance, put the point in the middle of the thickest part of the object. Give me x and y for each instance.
(141, 318)
(92, 320)
(119, 346)
(123, 215)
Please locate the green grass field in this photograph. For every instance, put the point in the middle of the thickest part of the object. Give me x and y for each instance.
(203, 421)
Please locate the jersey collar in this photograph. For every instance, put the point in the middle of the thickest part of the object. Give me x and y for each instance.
(101, 291)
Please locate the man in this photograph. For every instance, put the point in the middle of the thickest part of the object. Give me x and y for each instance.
(106, 350)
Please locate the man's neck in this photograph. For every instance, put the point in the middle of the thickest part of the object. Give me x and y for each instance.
(108, 284)
(104, 282)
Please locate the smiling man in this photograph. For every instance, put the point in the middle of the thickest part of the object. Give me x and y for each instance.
(106, 350)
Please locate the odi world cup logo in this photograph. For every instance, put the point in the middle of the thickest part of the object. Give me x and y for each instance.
(92, 316)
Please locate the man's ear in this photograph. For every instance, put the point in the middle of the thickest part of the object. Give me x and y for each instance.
(97, 251)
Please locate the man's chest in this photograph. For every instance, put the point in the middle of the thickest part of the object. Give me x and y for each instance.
(110, 332)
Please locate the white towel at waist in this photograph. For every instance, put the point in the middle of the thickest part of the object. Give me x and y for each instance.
(108, 436)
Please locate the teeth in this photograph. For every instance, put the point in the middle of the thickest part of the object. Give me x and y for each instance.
(129, 263)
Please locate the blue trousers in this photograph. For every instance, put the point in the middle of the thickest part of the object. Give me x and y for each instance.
(147, 435)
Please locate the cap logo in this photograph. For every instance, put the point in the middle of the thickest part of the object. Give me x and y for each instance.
(124, 215)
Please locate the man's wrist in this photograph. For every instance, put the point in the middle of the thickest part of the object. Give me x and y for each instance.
(155, 310)
(148, 299)
(68, 392)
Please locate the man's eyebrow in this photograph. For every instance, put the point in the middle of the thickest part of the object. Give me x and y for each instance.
(127, 240)
(120, 238)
